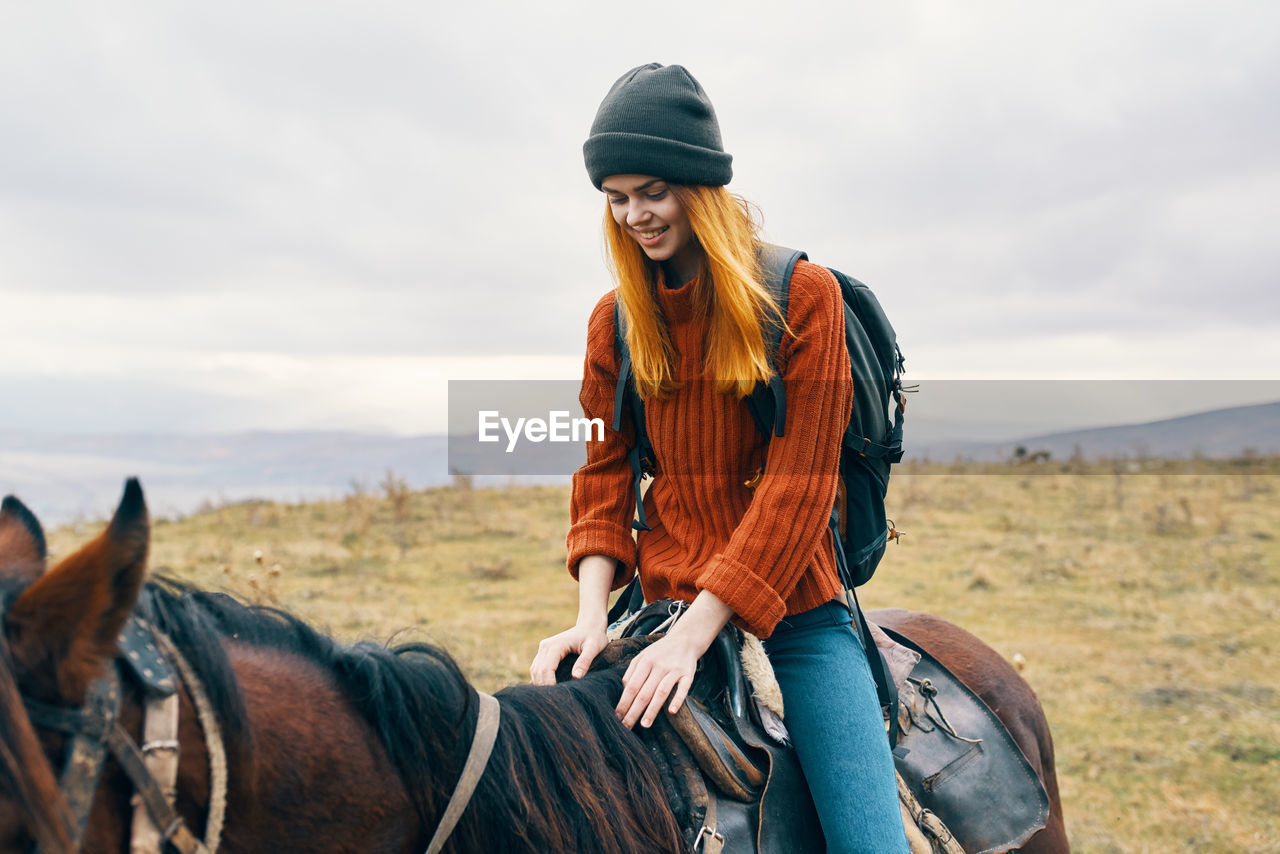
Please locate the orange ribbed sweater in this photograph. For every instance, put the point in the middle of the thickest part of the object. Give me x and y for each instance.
(765, 551)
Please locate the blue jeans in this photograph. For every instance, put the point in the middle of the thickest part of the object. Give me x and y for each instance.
(835, 722)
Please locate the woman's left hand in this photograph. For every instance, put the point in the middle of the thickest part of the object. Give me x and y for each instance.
(665, 669)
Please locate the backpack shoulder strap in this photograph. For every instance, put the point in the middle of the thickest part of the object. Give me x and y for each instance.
(627, 399)
(768, 401)
(624, 364)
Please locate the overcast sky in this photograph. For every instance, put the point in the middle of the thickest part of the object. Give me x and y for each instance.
(311, 215)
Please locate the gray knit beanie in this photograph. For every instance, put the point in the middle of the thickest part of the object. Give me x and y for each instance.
(656, 120)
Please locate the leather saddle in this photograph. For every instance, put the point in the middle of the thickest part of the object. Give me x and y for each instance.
(733, 787)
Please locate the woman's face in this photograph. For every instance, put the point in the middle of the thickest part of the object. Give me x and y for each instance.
(649, 212)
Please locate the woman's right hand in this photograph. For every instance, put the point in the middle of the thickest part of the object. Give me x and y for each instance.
(586, 639)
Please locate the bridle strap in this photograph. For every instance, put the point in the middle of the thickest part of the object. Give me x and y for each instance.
(96, 732)
(486, 734)
(90, 728)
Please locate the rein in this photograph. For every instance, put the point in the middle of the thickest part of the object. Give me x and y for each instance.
(486, 734)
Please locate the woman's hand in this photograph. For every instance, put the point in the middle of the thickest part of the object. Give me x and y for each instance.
(665, 669)
(587, 637)
(585, 640)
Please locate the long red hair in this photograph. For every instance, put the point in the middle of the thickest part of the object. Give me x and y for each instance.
(729, 293)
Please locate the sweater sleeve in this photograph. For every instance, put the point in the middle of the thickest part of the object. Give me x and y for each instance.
(602, 502)
(776, 539)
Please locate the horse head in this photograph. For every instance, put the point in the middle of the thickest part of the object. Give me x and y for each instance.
(59, 634)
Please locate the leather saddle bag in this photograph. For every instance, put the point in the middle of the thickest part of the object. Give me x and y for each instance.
(961, 763)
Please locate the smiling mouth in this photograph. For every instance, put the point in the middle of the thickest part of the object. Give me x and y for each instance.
(650, 235)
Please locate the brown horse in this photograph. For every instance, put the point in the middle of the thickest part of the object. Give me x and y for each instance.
(332, 748)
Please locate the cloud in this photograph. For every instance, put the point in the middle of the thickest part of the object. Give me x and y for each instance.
(336, 181)
(149, 388)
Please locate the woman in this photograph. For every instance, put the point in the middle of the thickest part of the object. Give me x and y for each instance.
(738, 526)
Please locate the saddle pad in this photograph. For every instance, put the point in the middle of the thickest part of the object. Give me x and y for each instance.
(980, 784)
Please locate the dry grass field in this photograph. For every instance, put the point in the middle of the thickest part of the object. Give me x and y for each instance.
(1146, 605)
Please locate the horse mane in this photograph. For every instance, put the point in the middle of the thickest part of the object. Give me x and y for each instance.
(547, 786)
(567, 787)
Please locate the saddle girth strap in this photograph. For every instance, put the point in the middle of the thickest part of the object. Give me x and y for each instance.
(487, 720)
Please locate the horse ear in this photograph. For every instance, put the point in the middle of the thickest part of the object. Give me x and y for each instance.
(67, 622)
(22, 545)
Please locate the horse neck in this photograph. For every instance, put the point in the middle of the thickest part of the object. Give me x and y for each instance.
(320, 745)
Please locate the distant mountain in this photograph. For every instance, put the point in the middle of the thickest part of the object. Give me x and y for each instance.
(68, 477)
(1218, 434)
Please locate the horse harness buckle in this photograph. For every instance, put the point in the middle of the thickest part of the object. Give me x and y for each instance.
(716, 837)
